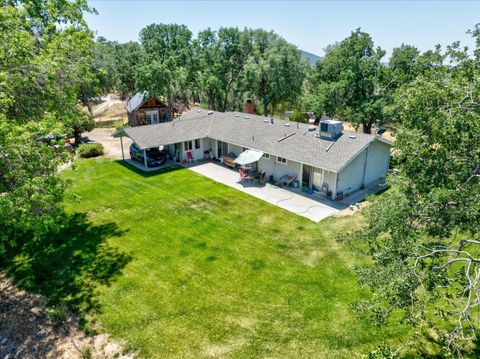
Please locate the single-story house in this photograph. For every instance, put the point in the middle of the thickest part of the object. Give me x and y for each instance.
(326, 158)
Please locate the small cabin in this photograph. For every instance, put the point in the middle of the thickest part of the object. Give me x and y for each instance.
(146, 110)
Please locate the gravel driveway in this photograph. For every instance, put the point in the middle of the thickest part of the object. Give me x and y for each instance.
(111, 145)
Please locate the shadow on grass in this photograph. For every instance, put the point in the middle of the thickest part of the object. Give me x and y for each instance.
(168, 168)
(66, 267)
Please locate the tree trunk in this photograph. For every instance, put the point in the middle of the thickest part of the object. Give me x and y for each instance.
(227, 90)
(87, 103)
(367, 127)
(170, 109)
(77, 134)
(265, 108)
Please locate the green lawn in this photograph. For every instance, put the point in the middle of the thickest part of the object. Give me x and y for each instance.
(180, 266)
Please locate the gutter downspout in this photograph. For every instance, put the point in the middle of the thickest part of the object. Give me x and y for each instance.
(365, 167)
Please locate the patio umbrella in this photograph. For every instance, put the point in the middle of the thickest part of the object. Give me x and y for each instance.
(248, 156)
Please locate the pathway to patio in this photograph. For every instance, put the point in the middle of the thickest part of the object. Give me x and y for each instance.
(313, 208)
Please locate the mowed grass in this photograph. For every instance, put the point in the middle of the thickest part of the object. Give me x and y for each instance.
(213, 272)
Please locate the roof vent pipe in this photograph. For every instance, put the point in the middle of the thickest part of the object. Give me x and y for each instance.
(271, 121)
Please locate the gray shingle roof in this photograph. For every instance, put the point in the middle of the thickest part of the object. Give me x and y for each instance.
(290, 140)
(166, 133)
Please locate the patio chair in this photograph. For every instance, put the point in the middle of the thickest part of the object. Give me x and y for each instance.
(190, 157)
(263, 177)
(260, 177)
(324, 189)
(244, 176)
(287, 180)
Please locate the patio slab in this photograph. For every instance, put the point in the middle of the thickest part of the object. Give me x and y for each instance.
(313, 208)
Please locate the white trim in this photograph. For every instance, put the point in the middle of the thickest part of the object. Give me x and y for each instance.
(151, 114)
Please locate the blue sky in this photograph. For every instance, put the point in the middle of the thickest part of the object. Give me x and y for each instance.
(311, 25)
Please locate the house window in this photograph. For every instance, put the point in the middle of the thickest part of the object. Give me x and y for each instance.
(266, 156)
(187, 145)
(151, 117)
(197, 144)
(282, 160)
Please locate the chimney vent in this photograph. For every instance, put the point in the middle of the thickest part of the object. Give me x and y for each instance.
(249, 107)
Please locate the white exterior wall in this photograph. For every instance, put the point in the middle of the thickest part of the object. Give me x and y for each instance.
(272, 167)
(209, 144)
(330, 178)
(351, 177)
(197, 153)
(377, 162)
(369, 166)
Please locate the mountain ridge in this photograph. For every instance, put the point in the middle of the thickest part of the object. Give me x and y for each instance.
(312, 58)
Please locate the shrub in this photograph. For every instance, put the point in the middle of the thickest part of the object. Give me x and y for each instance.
(298, 116)
(88, 150)
(58, 313)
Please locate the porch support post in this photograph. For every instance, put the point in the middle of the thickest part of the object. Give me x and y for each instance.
(336, 185)
(121, 145)
(145, 159)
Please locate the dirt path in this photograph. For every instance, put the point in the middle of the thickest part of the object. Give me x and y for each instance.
(111, 145)
(27, 331)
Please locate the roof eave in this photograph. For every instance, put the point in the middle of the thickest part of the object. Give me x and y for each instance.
(119, 133)
(384, 140)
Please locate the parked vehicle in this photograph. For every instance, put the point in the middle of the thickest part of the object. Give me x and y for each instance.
(85, 139)
(155, 156)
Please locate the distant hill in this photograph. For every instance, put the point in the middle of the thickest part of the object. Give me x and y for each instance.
(312, 58)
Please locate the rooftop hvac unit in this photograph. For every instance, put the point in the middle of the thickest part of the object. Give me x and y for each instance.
(330, 129)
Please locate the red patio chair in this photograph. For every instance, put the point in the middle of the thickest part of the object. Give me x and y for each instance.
(244, 176)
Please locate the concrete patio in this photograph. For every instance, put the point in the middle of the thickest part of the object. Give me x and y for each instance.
(312, 207)
(293, 200)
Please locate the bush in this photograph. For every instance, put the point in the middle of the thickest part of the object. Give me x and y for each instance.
(298, 116)
(58, 313)
(88, 150)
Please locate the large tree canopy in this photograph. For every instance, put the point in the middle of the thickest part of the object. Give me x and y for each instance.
(165, 68)
(44, 52)
(220, 68)
(348, 81)
(275, 72)
(222, 58)
(423, 234)
(128, 57)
